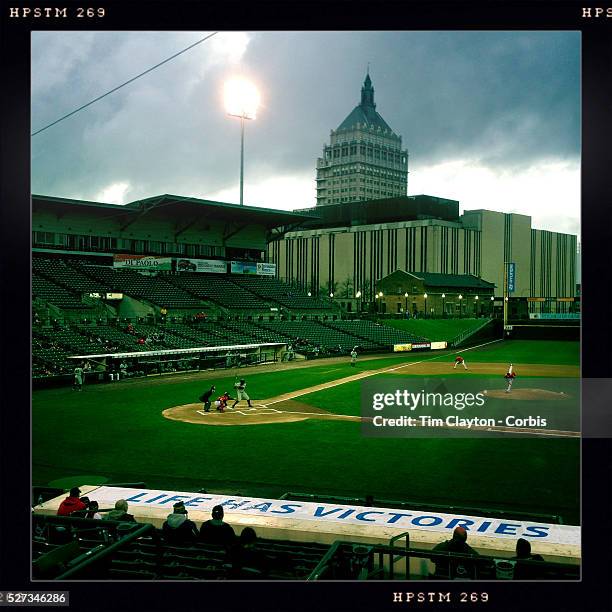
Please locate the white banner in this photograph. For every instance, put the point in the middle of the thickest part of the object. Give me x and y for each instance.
(266, 269)
(142, 262)
(214, 266)
(436, 346)
(403, 519)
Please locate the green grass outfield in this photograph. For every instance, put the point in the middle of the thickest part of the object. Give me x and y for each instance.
(117, 431)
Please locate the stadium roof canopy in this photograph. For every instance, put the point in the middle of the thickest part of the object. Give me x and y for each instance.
(386, 210)
(177, 205)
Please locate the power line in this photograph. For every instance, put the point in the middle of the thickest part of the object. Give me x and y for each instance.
(124, 84)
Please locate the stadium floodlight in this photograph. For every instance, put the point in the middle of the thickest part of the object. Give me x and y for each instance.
(425, 296)
(331, 295)
(309, 294)
(241, 101)
(358, 294)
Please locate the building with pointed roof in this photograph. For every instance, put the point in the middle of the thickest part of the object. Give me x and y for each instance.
(364, 159)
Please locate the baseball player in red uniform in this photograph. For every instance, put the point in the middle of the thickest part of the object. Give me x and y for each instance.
(509, 376)
(221, 403)
(459, 360)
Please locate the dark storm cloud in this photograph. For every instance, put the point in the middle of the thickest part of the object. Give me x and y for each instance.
(504, 100)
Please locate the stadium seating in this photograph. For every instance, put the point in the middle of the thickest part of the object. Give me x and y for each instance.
(375, 333)
(57, 295)
(272, 289)
(61, 273)
(320, 335)
(219, 289)
(154, 289)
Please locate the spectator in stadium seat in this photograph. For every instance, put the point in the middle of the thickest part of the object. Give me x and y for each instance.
(177, 528)
(216, 531)
(92, 510)
(455, 568)
(526, 571)
(120, 513)
(72, 503)
(246, 560)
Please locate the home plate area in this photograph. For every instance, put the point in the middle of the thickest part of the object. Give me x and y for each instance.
(261, 413)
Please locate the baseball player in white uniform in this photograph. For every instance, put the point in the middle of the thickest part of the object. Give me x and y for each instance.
(241, 393)
(78, 377)
(353, 356)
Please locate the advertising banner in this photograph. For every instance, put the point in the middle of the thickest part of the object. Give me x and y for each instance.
(400, 348)
(266, 269)
(243, 267)
(142, 262)
(511, 277)
(438, 345)
(155, 502)
(214, 266)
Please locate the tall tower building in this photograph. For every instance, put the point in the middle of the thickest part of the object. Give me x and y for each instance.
(364, 159)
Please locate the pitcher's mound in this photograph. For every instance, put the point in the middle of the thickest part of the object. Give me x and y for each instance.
(526, 394)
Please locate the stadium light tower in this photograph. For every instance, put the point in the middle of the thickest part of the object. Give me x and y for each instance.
(241, 101)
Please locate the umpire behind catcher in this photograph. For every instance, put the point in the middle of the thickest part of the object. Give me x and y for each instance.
(241, 392)
(205, 397)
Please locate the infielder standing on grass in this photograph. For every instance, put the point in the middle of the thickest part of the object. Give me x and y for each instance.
(353, 356)
(459, 360)
(509, 376)
(241, 393)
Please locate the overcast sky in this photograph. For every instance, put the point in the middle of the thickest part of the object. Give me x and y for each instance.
(491, 119)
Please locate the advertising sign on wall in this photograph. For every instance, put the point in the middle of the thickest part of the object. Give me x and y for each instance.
(142, 262)
(214, 266)
(243, 267)
(511, 277)
(266, 269)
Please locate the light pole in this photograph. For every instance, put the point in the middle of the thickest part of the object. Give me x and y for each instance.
(425, 296)
(358, 296)
(241, 101)
(406, 304)
(492, 306)
(460, 307)
(444, 306)
(476, 303)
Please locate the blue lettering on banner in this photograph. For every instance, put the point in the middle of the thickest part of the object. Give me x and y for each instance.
(346, 514)
(197, 501)
(459, 523)
(261, 507)
(177, 498)
(362, 515)
(419, 521)
(287, 508)
(320, 511)
(232, 504)
(135, 497)
(396, 516)
(507, 528)
(485, 525)
(537, 531)
(150, 501)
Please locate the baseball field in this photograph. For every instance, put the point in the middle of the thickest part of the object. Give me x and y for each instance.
(304, 435)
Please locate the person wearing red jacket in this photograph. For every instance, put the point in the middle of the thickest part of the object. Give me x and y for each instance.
(72, 503)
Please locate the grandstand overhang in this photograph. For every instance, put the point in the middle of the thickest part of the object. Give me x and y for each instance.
(189, 209)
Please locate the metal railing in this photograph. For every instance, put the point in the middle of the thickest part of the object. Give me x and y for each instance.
(343, 561)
